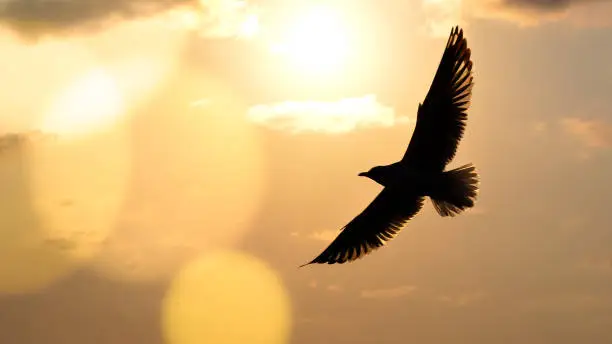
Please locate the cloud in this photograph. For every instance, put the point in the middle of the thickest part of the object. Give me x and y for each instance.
(538, 5)
(334, 288)
(592, 133)
(38, 16)
(33, 18)
(442, 14)
(326, 235)
(530, 12)
(388, 293)
(229, 18)
(339, 116)
(462, 299)
(539, 127)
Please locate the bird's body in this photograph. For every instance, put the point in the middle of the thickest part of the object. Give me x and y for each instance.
(398, 175)
(421, 171)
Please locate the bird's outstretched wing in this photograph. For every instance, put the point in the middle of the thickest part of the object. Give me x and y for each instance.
(378, 223)
(442, 116)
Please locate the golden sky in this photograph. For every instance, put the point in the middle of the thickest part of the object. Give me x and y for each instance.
(165, 166)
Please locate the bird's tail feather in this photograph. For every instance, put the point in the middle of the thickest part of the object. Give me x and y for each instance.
(456, 190)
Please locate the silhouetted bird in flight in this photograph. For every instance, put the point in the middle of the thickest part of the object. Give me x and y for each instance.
(440, 124)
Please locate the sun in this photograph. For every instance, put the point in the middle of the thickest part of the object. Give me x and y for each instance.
(316, 41)
(91, 103)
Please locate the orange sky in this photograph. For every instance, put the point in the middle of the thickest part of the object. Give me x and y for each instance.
(166, 166)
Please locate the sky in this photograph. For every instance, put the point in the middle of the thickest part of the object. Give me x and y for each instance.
(165, 167)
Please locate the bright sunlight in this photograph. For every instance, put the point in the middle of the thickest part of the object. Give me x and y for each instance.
(90, 103)
(317, 41)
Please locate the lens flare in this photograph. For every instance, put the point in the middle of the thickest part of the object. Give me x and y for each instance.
(28, 264)
(77, 189)
(46, 229)
(197, 181)
(226, 298)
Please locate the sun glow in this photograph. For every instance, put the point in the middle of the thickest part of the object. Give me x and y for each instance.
(250, 27)
(317, 41)
(90, 103)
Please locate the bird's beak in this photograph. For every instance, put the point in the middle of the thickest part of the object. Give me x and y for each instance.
(363, 174)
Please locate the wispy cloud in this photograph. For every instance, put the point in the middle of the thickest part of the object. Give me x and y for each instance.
(592, 133)
(388, 293)
(334, 288)
(462, 299)
(325, 235)
(442, 15)
(539, 127)
(339, 116)
(227, 18)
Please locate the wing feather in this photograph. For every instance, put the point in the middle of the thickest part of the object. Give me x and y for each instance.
(442, 116)
(380, 222)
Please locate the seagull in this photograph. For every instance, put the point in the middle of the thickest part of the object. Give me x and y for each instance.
(441, 120)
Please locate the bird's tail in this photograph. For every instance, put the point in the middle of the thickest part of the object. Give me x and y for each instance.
(455, 191)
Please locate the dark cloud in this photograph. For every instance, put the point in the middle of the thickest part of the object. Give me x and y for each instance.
(38, 17)
(442, 14)
(546, 6)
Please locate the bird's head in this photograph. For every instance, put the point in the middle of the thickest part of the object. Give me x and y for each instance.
(376, 173)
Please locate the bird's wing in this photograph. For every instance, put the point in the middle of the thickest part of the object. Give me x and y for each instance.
(378, 223)
(442, 116)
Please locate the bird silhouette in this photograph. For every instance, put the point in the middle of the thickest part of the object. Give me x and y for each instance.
(441, 120)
